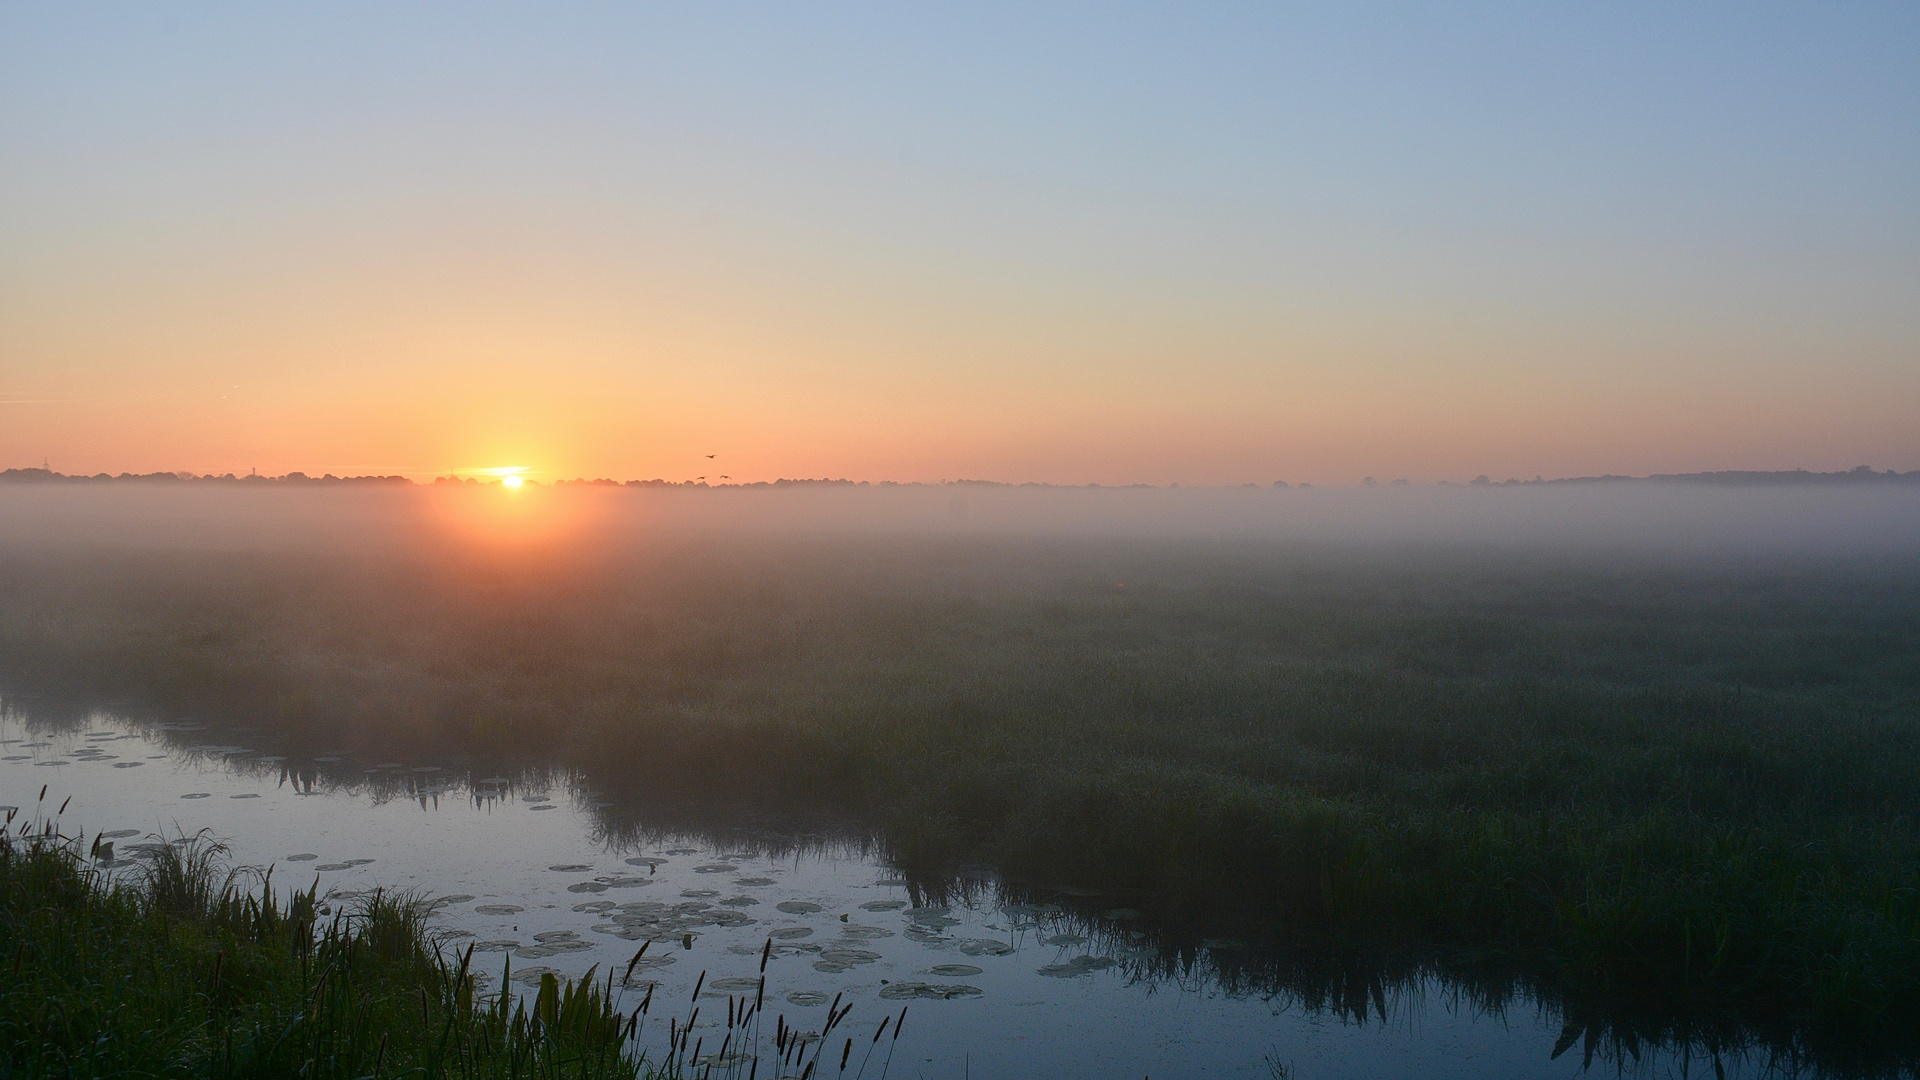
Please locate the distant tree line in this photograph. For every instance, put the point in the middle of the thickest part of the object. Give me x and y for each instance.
(48, 476)
(1860, 475)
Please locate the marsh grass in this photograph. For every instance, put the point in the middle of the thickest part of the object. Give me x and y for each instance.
(178, 971)
(1664, 784)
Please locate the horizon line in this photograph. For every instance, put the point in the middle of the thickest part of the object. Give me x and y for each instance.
(1858, 474)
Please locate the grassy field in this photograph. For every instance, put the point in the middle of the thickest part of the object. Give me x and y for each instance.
(179, 973)
(1671, 783)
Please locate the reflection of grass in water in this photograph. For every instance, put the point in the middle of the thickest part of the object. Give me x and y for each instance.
(183, 974)
(1672, 784)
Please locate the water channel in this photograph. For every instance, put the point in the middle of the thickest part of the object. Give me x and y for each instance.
(528, 870)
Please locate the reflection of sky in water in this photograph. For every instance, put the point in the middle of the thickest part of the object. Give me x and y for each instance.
(992, 991)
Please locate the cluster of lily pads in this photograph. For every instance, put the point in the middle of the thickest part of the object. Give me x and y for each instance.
(92, 751)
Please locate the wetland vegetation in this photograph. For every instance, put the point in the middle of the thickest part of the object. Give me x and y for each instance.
(185, 969)
(1666, 787)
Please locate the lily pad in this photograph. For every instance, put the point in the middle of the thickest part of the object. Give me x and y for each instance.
(789, 933)
(587, 887)
(548, 806)
(548, 937)
(530, 976)
(797, 907)
(572, 868)
(128, 764)
(498, 909)
(865, 933)
(646, 861)
(198, 795)
(541, 952)
(700, 894)
(456, 898)
(883, 905)
(932, 918)
(807, 999)
(305, 856)
(334, 866)
(495, 946)
(953, 971)
(753, 882)
(249, 795)
(903, 991)
(1079, 965)
(733, 985)
(717, 868)
(985, 947)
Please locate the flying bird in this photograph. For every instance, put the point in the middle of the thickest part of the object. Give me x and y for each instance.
(709, 455)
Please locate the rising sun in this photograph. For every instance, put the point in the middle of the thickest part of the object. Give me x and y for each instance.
(511, 481)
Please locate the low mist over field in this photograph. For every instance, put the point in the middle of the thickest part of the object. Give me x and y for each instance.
(1683, 516)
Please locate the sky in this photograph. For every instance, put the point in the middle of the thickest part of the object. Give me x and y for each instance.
(1203, 244)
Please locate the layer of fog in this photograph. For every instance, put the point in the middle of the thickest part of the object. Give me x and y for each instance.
(1622, 518)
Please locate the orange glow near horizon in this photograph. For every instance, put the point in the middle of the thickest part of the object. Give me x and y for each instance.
(510, 518)
(664, 242)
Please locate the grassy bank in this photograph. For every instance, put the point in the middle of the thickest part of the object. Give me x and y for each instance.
(178, 973)
(1680, 784)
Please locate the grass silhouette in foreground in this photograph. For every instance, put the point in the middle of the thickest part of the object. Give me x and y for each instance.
(180, 973)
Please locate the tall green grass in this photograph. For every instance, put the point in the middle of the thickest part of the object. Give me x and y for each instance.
(181, 972)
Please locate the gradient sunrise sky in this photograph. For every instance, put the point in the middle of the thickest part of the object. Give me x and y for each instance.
(1202, 243)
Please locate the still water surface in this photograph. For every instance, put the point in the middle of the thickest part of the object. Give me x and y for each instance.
(531, 875)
